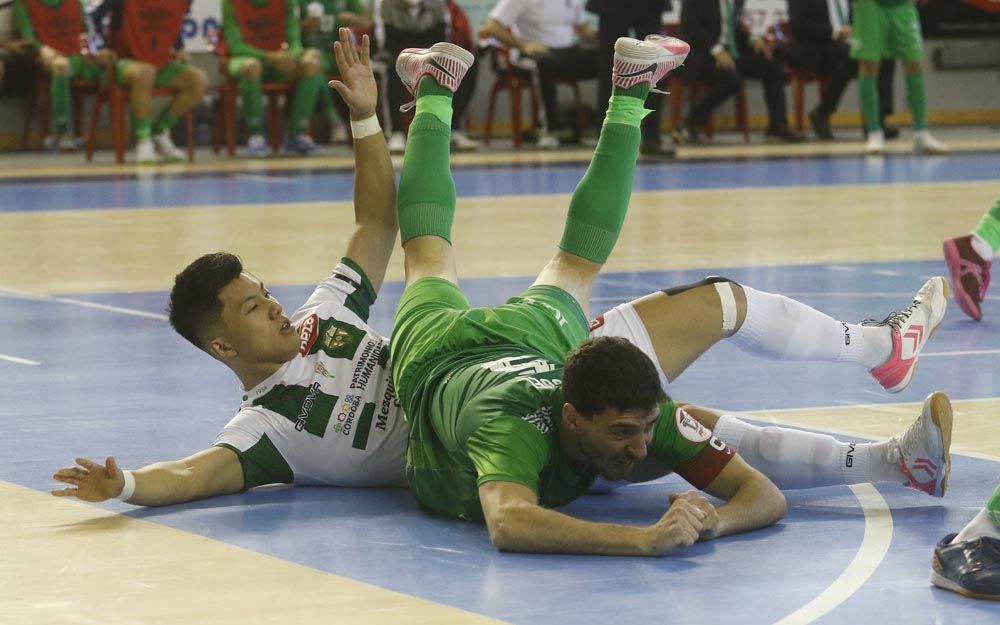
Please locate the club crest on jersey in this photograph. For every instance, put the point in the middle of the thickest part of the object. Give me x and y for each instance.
(597, 322)
(308, 333)
(689, 427)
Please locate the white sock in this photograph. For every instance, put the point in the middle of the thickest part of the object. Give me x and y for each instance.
(782, 328)
(796, 459)
(981, 525)
(981, 247)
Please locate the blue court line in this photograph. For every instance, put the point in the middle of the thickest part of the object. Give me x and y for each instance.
(315, 186)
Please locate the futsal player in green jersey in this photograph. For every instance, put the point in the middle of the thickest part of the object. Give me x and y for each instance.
(890, 29)
(500, 430)
(969, 259)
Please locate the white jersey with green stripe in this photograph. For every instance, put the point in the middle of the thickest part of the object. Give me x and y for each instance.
(330, 415)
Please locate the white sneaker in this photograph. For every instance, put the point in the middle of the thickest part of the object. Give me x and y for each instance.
(646, 61)
(166, 148)
(257, 146)
(68, 143)
(547, 142)
(922, 452)
(145, 152)
(397, 143)
(925, 143)
(461, 141)
(911, 329)
(51, 143)
(876, 143)
(446, 63)
(339, 132)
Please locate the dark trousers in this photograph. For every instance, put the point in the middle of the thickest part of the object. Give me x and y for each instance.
(834, 59)
(460, 103)
(635, 18)
(724, 83)
(574, 63)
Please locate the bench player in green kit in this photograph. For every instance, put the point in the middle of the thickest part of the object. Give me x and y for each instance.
(500, 429)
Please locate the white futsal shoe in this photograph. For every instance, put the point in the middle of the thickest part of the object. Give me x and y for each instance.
(922, 451)
(647, 61)
(446, 63)
(911, 329)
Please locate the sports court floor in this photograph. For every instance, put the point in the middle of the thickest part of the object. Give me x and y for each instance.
(89, 367)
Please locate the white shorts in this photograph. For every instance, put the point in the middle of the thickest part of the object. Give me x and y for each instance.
(622, 321)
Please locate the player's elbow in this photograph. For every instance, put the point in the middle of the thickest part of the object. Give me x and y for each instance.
(506, 529)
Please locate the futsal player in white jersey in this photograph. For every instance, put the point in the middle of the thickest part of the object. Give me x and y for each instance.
(318, 406)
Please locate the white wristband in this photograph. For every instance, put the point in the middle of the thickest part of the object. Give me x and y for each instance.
(365, 127)
(129, 489)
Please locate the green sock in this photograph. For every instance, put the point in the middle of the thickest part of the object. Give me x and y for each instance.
(164, 122)
(916, 97)
(868, 91)
(993, 506)
(59, 87)
(426, 196)
(639, 91)
(989, 227)
(253, 108)
(306, 93)
(143, 126)
(628, 110)
(434, 99)
(600, 201)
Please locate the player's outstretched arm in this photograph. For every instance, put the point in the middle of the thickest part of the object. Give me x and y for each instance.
(517, 523)
(376, 227)
(214, 471)
(752, 500)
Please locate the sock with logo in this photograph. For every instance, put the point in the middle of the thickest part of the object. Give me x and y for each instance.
(164, 122)
(916, 97)
(252, 94)
(59, 98)
(306, 92)
(781, 328)
(868, 92)
(986, 523)
(797, 459)
(426, 197)
(988, 232)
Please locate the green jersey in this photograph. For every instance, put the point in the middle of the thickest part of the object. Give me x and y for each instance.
(494, 415)
(329, 20)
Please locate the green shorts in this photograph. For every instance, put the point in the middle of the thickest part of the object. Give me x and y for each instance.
(80, 68)
(269, 74)
(164, 76)
(886, 32)
(434, 320)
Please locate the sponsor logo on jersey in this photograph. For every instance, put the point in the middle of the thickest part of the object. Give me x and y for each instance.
(389, 403)
(335, 338)
(307, 406)
(541, 419)
(367, 362)
(320, 369)
(308, 333)
(597, 323)
(346, 413)
(690, 429)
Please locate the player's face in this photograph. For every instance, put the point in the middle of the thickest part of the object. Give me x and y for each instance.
(615, 441)
(254, 323)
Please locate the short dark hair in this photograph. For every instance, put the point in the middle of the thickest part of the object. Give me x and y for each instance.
(194, 300)
(609, 372)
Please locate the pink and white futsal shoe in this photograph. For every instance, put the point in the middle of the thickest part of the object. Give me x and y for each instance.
(922, 451)
(911, 329)
(970, 275)
(446, 63)
(646, 61)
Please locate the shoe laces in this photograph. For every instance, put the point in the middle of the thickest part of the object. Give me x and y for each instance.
(907, 442)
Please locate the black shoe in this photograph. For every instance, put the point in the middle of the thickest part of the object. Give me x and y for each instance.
(655, 148)
(687, 135)
(970, 568)
(783, 135)
(821, 125)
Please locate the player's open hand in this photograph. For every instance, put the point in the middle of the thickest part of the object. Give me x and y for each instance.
(90, 481)
(682, 524)
(357, 82)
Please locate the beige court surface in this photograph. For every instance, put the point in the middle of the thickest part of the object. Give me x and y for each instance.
(67, 562)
